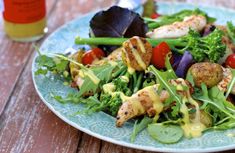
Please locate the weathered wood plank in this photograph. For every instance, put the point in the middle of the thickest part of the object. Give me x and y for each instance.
(89, 144)
(109, 147)
(27, 125)
(13, 58)
(66, 11)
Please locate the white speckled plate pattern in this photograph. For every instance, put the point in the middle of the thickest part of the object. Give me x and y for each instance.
(101, 125)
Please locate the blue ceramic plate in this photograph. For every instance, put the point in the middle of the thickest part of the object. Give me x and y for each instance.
(102, 125)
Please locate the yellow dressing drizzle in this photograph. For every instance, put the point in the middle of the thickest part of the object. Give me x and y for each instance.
(141, 45)
(157, 104)
(192, 128)
(129, 68)
(89, 74)
(137, 57)
(110, 89)
(112, 63)
(139, 109)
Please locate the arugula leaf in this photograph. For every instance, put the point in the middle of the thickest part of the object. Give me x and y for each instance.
(163, 78)
(231, 31)
(231, 84)
(216, 98)
(41, 71)
(107, 103)
(170, 71)
(138, 127)
(71, 97)
(103, 73)
(225, 125)
(175, 110)
(190, 79)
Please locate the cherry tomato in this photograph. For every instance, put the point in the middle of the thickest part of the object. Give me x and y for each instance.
(91, 55)
(230, 61)
(159, 55)
(155, 15)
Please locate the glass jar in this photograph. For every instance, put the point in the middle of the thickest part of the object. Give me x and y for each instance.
(25, 20)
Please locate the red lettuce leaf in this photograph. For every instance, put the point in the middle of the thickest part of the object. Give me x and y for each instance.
(117, 22)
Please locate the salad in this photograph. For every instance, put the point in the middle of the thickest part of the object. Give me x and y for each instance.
(172, 74)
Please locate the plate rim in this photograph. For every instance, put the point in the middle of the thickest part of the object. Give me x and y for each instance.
(106, 138)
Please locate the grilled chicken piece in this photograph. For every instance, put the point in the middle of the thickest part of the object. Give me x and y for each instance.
(116, 55)
(148, 101)
(136, 53)
(75, 70)
(227, 78)
(179, 29)
(145, 101)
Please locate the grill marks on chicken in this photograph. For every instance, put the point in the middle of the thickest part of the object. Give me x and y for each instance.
(145, 101)
(136, 54)
(227, 78)
(179, 29)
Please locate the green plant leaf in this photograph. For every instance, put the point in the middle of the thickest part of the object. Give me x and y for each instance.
(167, 134)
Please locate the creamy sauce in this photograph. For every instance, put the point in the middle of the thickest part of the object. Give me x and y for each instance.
(110, 89)
(138, 108)
(192, 128)
(125, 78)
(137, 57)
(129, 68)
(141, 45)
(157, 104)
(89, 74)
(112, 63)
(155, 100)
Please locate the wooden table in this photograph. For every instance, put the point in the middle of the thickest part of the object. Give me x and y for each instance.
(26, 124)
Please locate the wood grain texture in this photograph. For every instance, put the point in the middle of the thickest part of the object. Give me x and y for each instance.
(13, 58)
(27, 125)
(89, 144)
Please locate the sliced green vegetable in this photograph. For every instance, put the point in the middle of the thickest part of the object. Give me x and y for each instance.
(165, 133)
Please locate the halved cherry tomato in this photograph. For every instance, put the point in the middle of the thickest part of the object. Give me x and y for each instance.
(159, 55)
(91, 55)
(155, 15)
(230, 61)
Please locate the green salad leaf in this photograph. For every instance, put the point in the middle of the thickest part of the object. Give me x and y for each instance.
(138, 127)
(231, 31)
(167, 134)
(231, 84)
(103, 72)
(217, 99)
